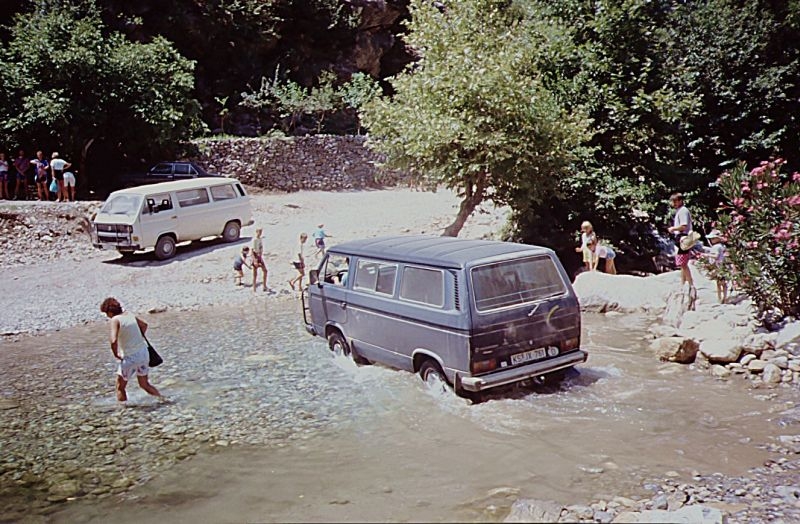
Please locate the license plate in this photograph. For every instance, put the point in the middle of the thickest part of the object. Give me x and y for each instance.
(534, 354)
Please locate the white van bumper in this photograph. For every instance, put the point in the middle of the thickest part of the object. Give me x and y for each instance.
(501, 378)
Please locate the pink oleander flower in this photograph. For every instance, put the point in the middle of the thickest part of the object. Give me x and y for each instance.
(738, 202)
(760, 185)
(779, 161)
(752, 245)
(796, 177)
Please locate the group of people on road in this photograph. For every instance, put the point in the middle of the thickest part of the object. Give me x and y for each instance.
(253, 258)
(688, 248)
(49, 176)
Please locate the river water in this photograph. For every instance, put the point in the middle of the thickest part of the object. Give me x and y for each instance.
(304, 436)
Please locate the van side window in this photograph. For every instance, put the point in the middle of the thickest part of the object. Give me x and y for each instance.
(225, 192)
(378, 277)
(192, 197)
(336, 269)
(160, 202)
(423, 285)
(240, 189)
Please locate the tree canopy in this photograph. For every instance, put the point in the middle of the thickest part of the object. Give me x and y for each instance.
(473, 112)
(68, 82)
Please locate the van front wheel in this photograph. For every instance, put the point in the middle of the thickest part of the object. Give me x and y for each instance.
(231, 231)
(434, 377)
(165, 247)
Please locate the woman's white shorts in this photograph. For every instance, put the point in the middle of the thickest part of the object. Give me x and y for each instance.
(69, 179)
(135, 364)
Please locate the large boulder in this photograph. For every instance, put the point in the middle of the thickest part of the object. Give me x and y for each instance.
(720, 350)
(601, 292)
(675, 349)
(531, 510)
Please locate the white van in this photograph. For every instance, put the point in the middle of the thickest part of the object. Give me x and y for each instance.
(159, 216)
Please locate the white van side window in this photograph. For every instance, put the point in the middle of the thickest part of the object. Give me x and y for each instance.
(192, 197)
(159, 202)
(223, 192)
(378, 277)
(423, 285)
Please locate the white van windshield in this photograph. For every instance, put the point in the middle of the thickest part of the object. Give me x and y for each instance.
(123, 205)
(515, 282)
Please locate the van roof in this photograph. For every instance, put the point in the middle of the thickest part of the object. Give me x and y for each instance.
(433, 250)
(175, 185)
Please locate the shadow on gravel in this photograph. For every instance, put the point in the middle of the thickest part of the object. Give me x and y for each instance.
(183, 251)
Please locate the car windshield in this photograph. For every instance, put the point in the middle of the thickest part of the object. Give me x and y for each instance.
(122, 205)
(516, 282)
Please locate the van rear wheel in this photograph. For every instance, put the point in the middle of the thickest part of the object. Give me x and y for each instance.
(231, 231)
(433, 376)
(165, 247)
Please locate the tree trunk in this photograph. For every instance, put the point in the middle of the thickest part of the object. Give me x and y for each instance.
(474, 194)
(82, 176)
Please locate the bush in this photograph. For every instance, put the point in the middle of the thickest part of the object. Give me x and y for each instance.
(761, 222)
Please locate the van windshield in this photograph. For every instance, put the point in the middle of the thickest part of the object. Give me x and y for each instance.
(515, 282)
(123, 205)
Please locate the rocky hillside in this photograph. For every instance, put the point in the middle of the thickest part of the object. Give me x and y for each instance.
(32, 231)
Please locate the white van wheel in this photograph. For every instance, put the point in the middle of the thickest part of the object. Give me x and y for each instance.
(434, 377)
(231, 231)
(165, 247)
(338, 345)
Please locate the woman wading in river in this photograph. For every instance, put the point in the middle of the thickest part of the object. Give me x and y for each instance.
(129, 348)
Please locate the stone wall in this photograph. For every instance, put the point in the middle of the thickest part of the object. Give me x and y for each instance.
(319, 162)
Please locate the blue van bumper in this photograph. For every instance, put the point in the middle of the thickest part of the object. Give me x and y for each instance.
(501, 378)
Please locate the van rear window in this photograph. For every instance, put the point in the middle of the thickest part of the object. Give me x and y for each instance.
(515, 282)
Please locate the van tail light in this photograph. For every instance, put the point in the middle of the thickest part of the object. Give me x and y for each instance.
(482, 366)
(569, 344)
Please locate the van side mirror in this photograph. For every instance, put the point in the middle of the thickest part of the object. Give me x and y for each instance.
(313, 276)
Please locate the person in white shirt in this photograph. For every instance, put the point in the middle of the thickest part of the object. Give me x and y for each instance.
(300, 264)
(599, 251)
(129, 347)
(717, 253)
(57, 166)
(681, 227)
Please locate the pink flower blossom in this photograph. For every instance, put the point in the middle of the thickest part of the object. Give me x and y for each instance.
(752, 245)
(738, 202)
(796, 177)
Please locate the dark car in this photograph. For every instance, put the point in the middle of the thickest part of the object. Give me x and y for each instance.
(166, 172)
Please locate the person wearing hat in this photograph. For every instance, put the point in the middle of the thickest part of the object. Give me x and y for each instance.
(716, 253)
(681, 229)
(319, 237)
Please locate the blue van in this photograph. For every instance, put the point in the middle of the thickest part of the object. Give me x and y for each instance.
(473, 314)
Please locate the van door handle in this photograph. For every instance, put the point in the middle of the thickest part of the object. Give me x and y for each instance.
(174, 216)
(343, 305)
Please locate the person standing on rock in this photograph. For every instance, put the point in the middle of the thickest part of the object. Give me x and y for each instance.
(258, 259)
(681, 228)
(129, 347)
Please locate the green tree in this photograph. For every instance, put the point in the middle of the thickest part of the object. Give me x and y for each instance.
(69, 82)
(473, 113)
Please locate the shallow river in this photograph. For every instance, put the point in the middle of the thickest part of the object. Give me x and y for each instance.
(313, 438)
